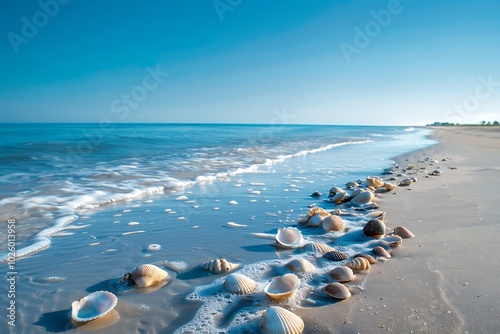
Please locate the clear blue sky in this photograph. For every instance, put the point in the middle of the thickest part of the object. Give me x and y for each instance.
(334, 62)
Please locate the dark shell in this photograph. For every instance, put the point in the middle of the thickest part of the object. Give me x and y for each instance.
(336, 256)
(370, 258)
(316, 194)
(374, 228)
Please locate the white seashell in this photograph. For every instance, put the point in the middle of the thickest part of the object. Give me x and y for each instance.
(338, 197)
(281, 288)
(359, 263)
(288, 237)
(300, 265)
(363, 198)
(337, 291)
(335, 190)
(352, 185)
(238, 283)
(317, 219)
(219, 265)
(318, 248)
(153, 248)
(315, 210)
(403, 232)
(342, 274)
(333, 223)
(93, 306)
(379, 214)
(394, 240)
(374, 181)
(145, 275)
(277, 320)
(357, 191)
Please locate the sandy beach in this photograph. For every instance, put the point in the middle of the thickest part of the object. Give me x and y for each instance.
(445, 280)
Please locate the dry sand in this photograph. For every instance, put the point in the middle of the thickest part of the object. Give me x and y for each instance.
(446, 279)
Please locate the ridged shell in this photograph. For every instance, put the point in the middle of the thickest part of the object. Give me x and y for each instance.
(318, 248)
(219, 265)
(281, 288)
(336, 255)
(359, 263)
(374, 228)
(351, 185)
(337, 291)
(145, 275)
(370, 258)
(342, 274)
(277, 320)
(339, 197)
(389, 186)
(93, 306)
(333, 223)
(380, 251)
(363, 198)
(374, 181)
(289, 237)
(300, 265)
(240, 284)
(317, 219)
(335, 190)
(403, 232)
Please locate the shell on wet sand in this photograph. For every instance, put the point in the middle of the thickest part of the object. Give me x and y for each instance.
(337, 291)
(362, 198)
(219, 265)
(289, 237)
(145, 275)
(318, 248)
(405, 182)
(381, 251)
(342, 274)
(403, 232)
(333, 223)
(300, 265)
(370, 258)
(394, 240)
(93, 306)
(359, 263)
(389, 186)
(281, 288)
(374, 181)
(379, 214)
(240, 284)
(336, 255)
(277, 320)
(374, 228)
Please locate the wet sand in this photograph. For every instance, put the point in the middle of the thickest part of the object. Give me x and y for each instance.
(446, 279)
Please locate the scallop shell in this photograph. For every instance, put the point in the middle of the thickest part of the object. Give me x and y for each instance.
(300, 265)
(380, 251)
(374, 181)
(389, 186)
(93, 306)
(145, 275)
(318, 247)
(238, 283)
(333, 223)
(277, 320)
(335, 190)
(359, 263)
(288, 237)
(337, 291)
(317, 219)
(374, 228)
(403, 232)
(363, 198)
(351, 185)
(342, 274)
(370, 258)
(336, 255)
(281, 288)
(219, 265)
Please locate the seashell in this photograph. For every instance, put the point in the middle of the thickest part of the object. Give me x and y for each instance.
(359, 263)
(363, 198)
(316, 194)
(403, 232)
(374, 181)
(288, 237)
(303, 220)
(356, 192)
(300, 265)
(240, 284)
(335, 190)
(352, 185)
(336, 255)
(370, 258)
(219, 265)
(394, 240)
(413, 179)
(93, 306)
(342, 274)
(317, 219)
(277, 320)
(405, 182)
(389, 186)
(145, 275)
(315, 210)
(339, 197)
(379, 214)
(337, 291)
(333, 223)
(318, 247)
(436, 172)
(381, 251)
(374, 228)
(281, 288)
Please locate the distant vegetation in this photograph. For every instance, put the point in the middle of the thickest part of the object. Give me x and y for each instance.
(482, 123)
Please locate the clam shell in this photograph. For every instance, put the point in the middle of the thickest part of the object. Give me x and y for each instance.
(394, 240)
(405, 182)
(288, 237)
(381, 251)
(358, 263)
(219, 265)
(374, 181)
(379, 214)
(339, 197)
(342, 274)
(318, 247)
(315, 210)
(370, 258)
(240, 284)
(363, 198)
(277, 320)
(337, 291)
(300, 265)
(357, 191)
(145, 275)
(93, 306)
(389, 186)
(333, 223)
(336, 255)
(403, 232)
(317, 219)
(352, 185)
(335, 190)
(281, 288)
(374, 228)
